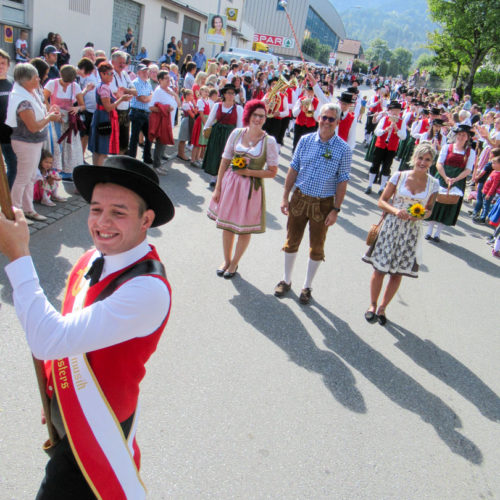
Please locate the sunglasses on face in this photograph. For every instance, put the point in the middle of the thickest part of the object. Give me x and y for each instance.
(328, 118)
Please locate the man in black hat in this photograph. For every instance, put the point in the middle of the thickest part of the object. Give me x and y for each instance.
(390, 130)
(374, 107)
(347, 123)
(116, 306)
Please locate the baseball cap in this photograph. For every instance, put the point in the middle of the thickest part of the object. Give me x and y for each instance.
(50, 49)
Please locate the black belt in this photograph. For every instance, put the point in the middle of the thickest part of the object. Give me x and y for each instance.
(140, 110)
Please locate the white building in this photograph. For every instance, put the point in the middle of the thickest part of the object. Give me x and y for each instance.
(105, 22)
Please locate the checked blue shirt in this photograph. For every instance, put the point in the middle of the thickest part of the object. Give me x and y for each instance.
(143, 88)
(321, 165)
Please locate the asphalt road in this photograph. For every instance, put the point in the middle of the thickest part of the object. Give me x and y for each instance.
(252, 397)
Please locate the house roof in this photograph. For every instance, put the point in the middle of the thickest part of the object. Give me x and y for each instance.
(347, 46)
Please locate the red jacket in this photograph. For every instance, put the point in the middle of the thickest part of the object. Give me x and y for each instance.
(160, 125)
(492, 185)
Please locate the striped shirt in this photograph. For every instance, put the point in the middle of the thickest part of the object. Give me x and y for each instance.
(321, 166)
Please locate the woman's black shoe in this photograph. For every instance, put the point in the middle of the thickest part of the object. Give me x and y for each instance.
(382, 320)
(371, 317)
(228, 276)
(220, 272)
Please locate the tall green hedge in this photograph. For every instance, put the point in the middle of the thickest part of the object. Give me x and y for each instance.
(481, 95)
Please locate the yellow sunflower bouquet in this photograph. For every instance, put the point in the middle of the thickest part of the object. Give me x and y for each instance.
(417, 210)
(238, 162)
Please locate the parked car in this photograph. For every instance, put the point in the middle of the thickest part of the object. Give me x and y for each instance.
(249, 55)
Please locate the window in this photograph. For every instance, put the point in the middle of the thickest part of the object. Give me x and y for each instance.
(316, 25)
(171, 15)
(13, 11)
(191, 26)
(81, 6)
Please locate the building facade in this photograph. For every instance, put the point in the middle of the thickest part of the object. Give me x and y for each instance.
(315, 18)
(105, 22)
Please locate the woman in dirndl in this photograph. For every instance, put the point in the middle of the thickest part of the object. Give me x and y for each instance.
(224, 117)
(65, 93)
(454, 164)
(104, 131)
(198, 140)
(398, 248)
(238, 201)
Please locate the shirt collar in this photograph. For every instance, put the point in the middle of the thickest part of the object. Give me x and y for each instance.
(329, 142)
(113, 263)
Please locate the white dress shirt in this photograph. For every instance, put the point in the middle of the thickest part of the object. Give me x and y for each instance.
(135, 309)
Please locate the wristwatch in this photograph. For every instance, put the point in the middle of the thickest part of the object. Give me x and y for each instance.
(336, 209)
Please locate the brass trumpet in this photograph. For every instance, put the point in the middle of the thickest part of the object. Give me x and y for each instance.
(273, 98)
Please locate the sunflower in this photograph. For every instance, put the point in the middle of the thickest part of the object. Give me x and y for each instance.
(417, 210)
(238, 162)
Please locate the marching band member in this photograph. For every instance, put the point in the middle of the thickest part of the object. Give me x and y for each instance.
(390, 130)
(374, 106)
(277, 106)
(347, 124)
(306, 112)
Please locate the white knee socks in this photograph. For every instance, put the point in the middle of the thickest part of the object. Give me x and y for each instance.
(371, 179)
(430, 228)
(312, 268)
(439, 227)
(289, 263)
(383, 182)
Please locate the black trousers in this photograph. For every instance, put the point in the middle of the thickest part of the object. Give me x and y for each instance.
(301, 130)
(382, 157)
(273, 127)
(63, 478)
(370, 126)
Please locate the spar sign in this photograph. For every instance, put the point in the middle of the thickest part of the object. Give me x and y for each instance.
(279, 41)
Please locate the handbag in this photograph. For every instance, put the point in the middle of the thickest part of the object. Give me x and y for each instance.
(104, 128)
(207, 132)
(374, 231)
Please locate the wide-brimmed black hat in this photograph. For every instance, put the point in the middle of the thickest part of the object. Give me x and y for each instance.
(403, 90)
(437, 121)
(463, 128)
(435, 111)
(395, 105)
(131, 174)
(353, 90)
(228, 86)
(346, 97)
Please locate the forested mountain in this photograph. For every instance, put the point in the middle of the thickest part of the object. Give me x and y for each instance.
(401, 23)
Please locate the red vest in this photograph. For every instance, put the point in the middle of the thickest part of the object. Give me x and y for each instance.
(345, 126)
(456, 160)
(376, 107)
(119, 368)
(307, 121)
(393, 143)
(227, 118)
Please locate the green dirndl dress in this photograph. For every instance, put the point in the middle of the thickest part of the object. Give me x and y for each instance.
(371, 149)
(448, 214)
(407, 153)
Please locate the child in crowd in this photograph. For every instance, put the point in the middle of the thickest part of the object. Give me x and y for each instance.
(362, 110)
(22, 54)
(47, 181)
(491, 187)
(198, 140)
(188, 115)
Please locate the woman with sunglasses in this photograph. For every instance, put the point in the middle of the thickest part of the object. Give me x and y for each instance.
(238, 202)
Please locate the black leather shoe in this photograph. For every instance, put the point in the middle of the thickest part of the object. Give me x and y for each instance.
(428, 236)
(368, 190)
(220, 272)
(382, 320)
(229, 276)
(371, 317)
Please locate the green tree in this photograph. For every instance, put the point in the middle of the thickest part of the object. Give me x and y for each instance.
(472, 27)
(449, 60)
(425, 61)
(359, 66)
(310, 46)
(378, 51)
(400, 62)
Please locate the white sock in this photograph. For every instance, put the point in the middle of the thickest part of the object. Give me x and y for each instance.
(289, 263)
(383, 182)
(439, 227)
(497, 245)
(371, 179)
(431, 228)
(312, 268)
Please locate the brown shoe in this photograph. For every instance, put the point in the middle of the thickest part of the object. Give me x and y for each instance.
(282, 288)
(305, 296)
